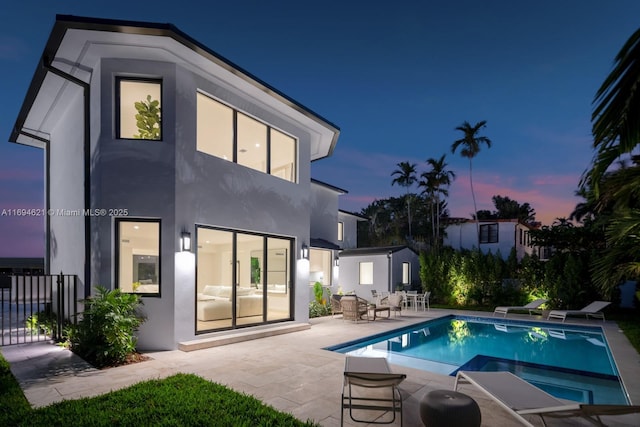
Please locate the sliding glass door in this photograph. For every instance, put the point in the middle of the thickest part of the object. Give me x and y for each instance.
(241, 279)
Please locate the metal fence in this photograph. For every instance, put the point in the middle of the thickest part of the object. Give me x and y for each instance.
(37, 308)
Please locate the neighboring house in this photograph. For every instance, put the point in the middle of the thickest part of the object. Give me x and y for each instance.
(495, 235)
(19, 266)
(383, 269)
(174, 174)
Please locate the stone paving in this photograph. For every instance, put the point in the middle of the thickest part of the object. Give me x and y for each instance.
(291, 372)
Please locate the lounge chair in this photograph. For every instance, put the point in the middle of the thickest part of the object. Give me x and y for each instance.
(531, 307)
(362, 375)
(592, 310)
(394, 302)
(520, 398)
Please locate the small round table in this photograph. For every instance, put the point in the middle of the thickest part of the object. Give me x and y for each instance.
(449, 408)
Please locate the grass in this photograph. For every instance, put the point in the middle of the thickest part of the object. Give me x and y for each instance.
(179, 400)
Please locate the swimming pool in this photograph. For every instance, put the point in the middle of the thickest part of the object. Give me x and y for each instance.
(569, 362)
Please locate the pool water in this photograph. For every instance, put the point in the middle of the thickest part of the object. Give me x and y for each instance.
(569, 362)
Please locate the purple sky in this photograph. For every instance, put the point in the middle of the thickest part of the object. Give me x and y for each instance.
(396, 77)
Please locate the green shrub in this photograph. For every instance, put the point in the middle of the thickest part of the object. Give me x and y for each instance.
(105, 334)
(318, 309)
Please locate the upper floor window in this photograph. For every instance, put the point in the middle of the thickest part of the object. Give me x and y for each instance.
(489, 233)
(138, 255)
(340, 231)
(139, 109)
(231, 135)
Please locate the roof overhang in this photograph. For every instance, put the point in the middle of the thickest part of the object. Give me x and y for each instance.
(76, 44)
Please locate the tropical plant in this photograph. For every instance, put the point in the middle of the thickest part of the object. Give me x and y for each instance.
(148, 119)
(435, 181)
(105, 334)
(405, 176)
(616, 128)
(471, 143)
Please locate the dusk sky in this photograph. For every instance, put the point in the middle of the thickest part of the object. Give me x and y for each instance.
(396, 77)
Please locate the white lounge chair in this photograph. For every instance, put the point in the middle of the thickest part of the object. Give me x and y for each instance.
(365, 373)
(531, 307)
(520, 398)
(592, 310)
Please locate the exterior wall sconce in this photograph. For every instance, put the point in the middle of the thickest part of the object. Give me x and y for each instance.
(185, 241)
(305, 251)
(336, 261)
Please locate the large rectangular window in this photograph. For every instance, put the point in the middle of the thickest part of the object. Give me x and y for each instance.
(231, 135)
(252, 143)
(139, 109)
(214, 128)
(366, 273)
(138, 256)
(489, 233)
(241, 279)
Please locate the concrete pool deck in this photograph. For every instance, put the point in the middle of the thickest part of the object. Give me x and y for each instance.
(291, 372)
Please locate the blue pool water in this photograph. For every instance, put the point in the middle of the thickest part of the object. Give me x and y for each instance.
(569, 362)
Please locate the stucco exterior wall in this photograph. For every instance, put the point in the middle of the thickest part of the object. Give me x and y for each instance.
(66, 156)
(172, 181)
(350, 238)
(324, 213)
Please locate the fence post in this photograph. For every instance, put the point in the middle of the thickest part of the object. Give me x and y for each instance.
(60, 310)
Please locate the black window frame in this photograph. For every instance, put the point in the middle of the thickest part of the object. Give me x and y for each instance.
(117, 222)
(118, 81)
(489, 233)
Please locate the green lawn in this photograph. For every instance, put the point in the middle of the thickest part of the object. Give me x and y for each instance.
(179, 400)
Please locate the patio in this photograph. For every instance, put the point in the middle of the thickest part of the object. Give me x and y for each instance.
(290, 372)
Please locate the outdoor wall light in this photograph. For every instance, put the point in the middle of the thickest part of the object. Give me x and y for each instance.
(185, 241)
(336, 261)
(305, 251)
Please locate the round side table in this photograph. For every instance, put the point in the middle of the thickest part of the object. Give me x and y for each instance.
(449, 408)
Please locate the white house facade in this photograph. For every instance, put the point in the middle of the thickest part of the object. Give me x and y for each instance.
(383, 269)
(495, 236)
(174, 174)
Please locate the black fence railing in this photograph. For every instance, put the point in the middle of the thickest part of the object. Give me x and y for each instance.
(38, 307)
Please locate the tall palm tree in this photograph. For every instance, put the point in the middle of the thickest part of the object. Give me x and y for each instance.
(615, 124)
(471, 143)
(436, 180)
(405, 176)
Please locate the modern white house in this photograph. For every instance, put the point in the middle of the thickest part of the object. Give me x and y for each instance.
(495, 235)
(381, 269)
(175, 174)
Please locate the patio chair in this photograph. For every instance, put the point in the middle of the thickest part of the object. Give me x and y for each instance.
(394, 302)
(336, 308)
(423, 301)
(531, 307)
(369, 385)
(354, 308)
(591, 310)
(520, 398)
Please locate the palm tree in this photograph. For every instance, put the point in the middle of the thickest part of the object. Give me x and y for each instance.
(435, 181)
(616, 128)
(471, 143)
(405, 176)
